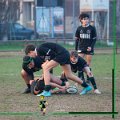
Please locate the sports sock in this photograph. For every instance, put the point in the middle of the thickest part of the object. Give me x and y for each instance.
(47, 87)
(63, 83)
(81, 75)
(92, 80)
(84, 84)
(28, 85)
(88, 76)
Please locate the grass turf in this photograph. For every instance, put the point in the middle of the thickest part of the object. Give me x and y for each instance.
(11, 86)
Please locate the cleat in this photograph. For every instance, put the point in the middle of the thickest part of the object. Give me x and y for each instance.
(96, 91)
(86, 89)
(45, 93)
(27, 90)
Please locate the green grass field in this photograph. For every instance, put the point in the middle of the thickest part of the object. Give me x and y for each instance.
(12, 100)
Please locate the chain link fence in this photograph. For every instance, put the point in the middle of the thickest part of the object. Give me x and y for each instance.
(54, 20)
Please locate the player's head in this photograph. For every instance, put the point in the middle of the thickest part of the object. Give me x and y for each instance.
(84, 18)
(30, 50)
(28, 62)
(37, 86)
(73, 56)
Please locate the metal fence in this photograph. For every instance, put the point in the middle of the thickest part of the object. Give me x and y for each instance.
(55, 19)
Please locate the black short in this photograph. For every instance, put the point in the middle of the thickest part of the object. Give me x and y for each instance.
(29, 72)
(31, 75)
(86, 52)
(63, 59)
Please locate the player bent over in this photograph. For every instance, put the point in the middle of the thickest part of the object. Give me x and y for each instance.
(58, 55)
(79, 64)
(27, 73)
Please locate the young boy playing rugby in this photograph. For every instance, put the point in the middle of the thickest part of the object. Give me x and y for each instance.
(78, 64)
(57, 55)
(27, 73)
(85, 39)
(37, 86)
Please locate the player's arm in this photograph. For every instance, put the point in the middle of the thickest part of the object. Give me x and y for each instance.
(94, 36)
(60, 88)
(77, 37)
(76, 43)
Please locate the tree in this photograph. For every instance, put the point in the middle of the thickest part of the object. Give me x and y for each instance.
(9, 13)
(9, 10)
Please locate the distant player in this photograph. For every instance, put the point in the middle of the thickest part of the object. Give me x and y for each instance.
(85, 38)
(78, 64)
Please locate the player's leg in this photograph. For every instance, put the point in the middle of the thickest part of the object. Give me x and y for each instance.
(88, 59)
(67, 69)
(81, 54)
(56, 80)
(27, 77)
(91, 79)
(81, 75)
(47, 76)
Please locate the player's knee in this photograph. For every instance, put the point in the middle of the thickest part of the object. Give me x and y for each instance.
(68, 76)
(90, 74)
(46, 68)
(22, 72)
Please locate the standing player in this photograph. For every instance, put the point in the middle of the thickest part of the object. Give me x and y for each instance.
(85, 38)
(58, 55)
(80, 65)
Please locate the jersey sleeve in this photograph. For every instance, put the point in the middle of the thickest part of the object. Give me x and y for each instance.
(94, 36)
(77, 37)
(76, 43)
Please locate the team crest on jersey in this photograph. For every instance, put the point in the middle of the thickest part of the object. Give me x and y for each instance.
(88, 31)
(81, 31)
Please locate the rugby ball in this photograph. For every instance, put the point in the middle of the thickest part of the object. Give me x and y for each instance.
(72, 89)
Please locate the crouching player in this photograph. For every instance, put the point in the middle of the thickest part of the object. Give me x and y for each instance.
(58, 56)
(29, 66)
(80, 65)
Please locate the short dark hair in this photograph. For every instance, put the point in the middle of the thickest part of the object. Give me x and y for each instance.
(28, 48)
(74, 54)
(83, 15)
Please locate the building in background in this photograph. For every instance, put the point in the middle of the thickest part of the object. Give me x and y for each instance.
(62, 16)
(27, 13)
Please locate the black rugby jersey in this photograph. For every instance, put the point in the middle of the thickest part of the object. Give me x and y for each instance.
(38, 62)
(50, 50)
(81, 63)
(86, 37)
